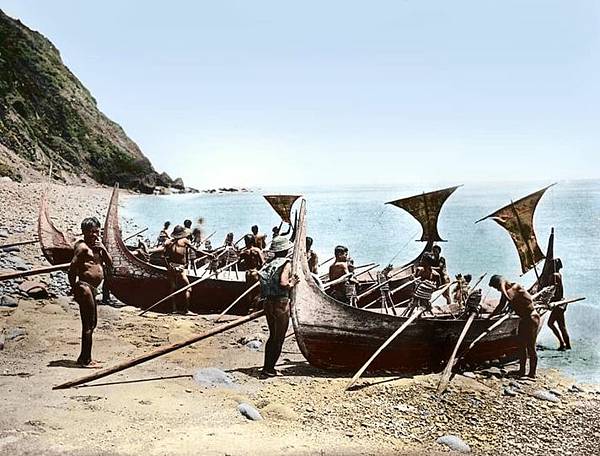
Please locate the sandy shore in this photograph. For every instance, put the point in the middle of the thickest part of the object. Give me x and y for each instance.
(159, 408)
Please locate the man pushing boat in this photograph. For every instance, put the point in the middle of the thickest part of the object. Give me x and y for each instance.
(522, 303)
(85, 275)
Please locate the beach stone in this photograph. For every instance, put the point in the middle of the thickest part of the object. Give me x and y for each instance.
(515, 385)
(211, 376)
(469, 375)
(15, 333)
(8, 301)
(3, 233)
(14, 249)
(35, 289)
(510, 392)
(246, 339)
(249, 412)
(454, 443)
(544, 395)
(254, 345)
(404, 408)
(576, 389)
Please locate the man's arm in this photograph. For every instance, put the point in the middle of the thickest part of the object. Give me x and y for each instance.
(288, 281)
(104, 253)
(74, 266)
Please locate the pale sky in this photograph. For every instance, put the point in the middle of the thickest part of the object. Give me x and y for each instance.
(243, 93)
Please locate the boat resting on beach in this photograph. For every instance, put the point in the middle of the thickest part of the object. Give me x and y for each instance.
(334, 335)
(57, 246)
(140, 284)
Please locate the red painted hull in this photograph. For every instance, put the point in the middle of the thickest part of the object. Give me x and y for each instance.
(57, 247)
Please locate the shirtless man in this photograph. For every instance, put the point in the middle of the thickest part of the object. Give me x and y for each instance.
(427, 280)
(176, 252)
(313, 259)
(251, 260)
(441, 269)
(260, 240)
(522, 303)
(338, 269)
(557, 315)
(85, 275)
(163, 235)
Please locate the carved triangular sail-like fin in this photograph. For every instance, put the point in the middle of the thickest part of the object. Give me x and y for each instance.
(426, 209)
(282, 204)
(517, 219)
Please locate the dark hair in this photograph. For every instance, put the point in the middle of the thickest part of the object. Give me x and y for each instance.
(255, 228)
(309, 242)
(557, 264)
(167, 225)
(436, 247)
(89, 223)
(196, 231)
(428, 259)
(495, 280)
(339, 249)
(249, 240)
(468, 277)
(275, 231)
(187, 223)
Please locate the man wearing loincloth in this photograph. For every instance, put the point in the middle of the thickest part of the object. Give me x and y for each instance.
(557, 315)
(85, 275)
(176, 252)
(251, 260)
(522, 303)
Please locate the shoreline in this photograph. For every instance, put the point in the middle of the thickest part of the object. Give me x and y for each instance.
(157, 408)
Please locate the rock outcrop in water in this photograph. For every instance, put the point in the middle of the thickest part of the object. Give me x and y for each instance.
(48, 117)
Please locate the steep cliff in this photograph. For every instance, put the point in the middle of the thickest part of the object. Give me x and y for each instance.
(48, 117)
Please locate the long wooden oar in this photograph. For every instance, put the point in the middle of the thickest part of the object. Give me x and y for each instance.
(161, 351)
(239, 298)
(135, 234)
(444, 379)
(324, 276)
(189, 285)
(379, 285)
(16, 275)
(385, 344)
(365, 271)
(326, 261)
(336, 281)
(14, 244)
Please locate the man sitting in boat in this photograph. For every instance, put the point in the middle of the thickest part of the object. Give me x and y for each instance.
(462, 289)
(251, 260)
(522, 303)
(176, 251)
(313, 259)
(85, 275)
(260, 240)
(163, 235)
(557, 315)
(427, 280)
(440, 267)
(229, 254)
(276, 281)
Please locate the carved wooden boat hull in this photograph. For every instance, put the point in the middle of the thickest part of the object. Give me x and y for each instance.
(57, 247)
(140, 284)
(333, 335)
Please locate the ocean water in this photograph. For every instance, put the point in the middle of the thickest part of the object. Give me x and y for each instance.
(375, 232)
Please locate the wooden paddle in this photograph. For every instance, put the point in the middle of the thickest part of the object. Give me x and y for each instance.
(326, 261)
(44, 270)
(239, 298)
(189, 285)
(445, 378)
(161, 351)
(14, 244)
(135, 234)
(385, 344)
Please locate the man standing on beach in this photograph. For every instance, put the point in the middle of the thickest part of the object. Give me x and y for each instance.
(176, 256)
(276, 281)
(251, 260)
(557, 315)
(85, 275)
(522, 303)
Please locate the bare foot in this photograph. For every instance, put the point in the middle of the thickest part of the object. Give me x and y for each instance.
(90, 365)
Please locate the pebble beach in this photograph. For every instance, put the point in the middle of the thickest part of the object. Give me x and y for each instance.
(208, 398)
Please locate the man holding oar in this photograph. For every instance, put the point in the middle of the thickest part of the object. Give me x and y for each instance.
(176, 255)
(276, 281)
(522, 303)
(85, 275)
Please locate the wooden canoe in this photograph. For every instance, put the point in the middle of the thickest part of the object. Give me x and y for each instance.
(57, 247)
(333, 335)
(140, 284)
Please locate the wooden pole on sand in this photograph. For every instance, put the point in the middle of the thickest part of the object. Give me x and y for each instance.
(14, 244)
(159, 352)
(19, 274)
(239, 298)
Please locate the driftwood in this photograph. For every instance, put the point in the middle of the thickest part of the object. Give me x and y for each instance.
(190, 285)
(161, 351)
(44, 270)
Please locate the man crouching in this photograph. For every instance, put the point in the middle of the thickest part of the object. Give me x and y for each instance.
(85, 275)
